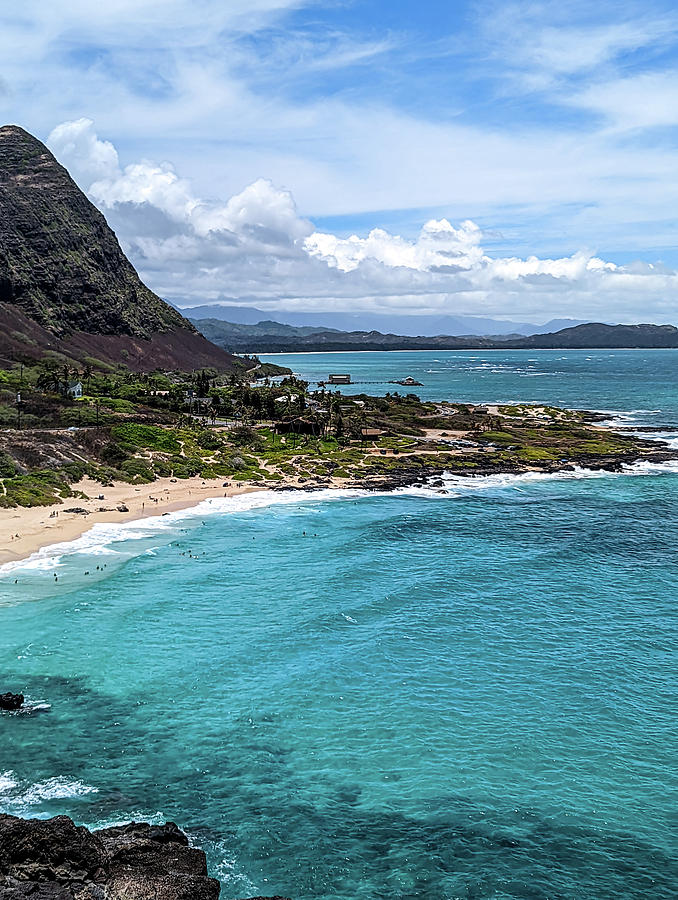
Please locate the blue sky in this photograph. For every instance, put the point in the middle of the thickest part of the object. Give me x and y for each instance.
(552, 127)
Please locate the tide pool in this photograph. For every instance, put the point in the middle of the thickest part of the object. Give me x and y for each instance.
(408, 695)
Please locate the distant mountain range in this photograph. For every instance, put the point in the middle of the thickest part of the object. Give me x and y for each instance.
(414, 325)
(66, 287)
(274, 337)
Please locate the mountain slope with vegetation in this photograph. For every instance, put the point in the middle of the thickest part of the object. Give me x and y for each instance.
(65, 284)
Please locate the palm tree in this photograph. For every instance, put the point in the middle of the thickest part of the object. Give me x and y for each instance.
(48, 379)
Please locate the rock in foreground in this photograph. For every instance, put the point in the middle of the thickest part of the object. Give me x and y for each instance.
(54, 859)
(11, 701)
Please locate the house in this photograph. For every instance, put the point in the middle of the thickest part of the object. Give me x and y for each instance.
(339, 379)
(72, 389)
(370, 434)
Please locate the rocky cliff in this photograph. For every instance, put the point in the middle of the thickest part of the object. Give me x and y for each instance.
(65, 283)
(53, 859)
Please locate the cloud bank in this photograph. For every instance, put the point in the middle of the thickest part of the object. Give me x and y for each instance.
(255, 248)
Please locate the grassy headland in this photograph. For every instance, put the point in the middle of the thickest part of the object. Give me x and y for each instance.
(134, 429)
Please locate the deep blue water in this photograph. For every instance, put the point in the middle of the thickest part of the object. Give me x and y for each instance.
(412, 695)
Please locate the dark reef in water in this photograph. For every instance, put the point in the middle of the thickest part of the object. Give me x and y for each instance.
(53, 859)
(11, 701)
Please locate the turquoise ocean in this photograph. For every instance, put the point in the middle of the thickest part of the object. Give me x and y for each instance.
(360, 696)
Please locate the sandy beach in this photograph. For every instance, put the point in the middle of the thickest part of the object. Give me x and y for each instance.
(23, 531)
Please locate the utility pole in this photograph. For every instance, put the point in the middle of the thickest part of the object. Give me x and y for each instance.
(18, 410)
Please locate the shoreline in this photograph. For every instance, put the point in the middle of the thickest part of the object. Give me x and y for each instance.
(26, 531)
(37, 527)
(460, 350)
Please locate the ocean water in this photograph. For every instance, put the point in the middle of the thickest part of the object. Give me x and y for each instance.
(643, 381)
(353, 696)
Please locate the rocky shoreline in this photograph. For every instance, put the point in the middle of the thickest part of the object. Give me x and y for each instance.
(53, 859)
(431, 476)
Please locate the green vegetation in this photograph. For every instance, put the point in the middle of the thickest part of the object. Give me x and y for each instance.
(136, 428)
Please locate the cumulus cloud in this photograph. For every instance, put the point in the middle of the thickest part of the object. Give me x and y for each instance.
(261, 214)
(439, 247)
(88, 157)
(255, 248)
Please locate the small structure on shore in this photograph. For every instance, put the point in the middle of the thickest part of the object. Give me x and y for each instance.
(71, 389)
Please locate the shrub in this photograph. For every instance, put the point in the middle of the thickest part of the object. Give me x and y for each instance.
(208, 440)
(137, 470)
(114, 454)
(151, 437)
(7, 465)
(244, 436)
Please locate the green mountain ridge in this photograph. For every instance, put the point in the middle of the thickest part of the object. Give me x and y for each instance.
(274, 337)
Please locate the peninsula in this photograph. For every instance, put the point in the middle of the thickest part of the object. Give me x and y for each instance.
(84, 446)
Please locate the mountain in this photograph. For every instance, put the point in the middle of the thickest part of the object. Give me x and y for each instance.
(66, 285)
(597, 335)
(414, 325)
(272, 337)
(216, 330)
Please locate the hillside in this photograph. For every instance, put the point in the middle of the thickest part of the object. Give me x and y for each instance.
(411, 325)
(272, 337)
(66, 285)
(595, 334)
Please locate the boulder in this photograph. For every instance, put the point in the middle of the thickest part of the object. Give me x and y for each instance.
(54, 859)
(11, 701)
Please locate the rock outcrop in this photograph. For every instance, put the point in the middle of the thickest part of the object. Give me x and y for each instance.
(65, 283)
(11, 701)
(54, 859)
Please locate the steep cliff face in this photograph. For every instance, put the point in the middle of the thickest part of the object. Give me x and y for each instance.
(65, 283)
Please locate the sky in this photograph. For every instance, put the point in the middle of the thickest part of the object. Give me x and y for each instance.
(517, 160)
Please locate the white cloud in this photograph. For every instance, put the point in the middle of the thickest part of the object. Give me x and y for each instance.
(260, 214)
(544, 45)
(88, 157)
(440, 247)
(647, 100)
(178, 80)
(254, 248)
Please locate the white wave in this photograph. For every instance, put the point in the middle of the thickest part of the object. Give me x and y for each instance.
(18, 797)
(455, 486)
(135, 815)
(33, 706)
(100, 537)
(56, 789)
(7, 782)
